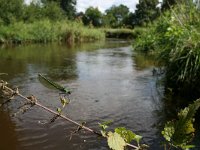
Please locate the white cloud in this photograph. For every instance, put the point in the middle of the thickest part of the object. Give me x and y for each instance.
(102, 5)
(82, 5)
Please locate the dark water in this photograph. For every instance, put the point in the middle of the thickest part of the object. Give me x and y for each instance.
(108, 82)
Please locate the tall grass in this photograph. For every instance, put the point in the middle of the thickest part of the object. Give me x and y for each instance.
(120, 33)
(48, 31)
(175, 37)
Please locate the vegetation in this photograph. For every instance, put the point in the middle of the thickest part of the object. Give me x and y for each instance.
(48, 31)
(180, 133)
(121, 33)
(92, 17)
(174, 37)
(146, 11)
(43, 21)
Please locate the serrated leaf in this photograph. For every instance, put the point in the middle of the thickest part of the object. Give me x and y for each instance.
(180, 132)
(168, 131)
(115, 141)
(127, 135)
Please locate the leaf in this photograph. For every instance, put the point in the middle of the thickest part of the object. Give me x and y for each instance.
(115, 141)
(59, 110)
(105, 124)
(103, 133)
(168, 131)
(127, 135)
(64, 101)
(138, 138)
(180, 132)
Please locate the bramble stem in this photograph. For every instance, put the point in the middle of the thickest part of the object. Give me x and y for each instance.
(34, 101)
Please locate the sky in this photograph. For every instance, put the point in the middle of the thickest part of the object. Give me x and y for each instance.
(102, 5)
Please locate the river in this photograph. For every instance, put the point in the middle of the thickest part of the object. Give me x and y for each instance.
(108, 82)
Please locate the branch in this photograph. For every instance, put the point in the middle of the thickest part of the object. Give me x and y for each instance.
(33, 101)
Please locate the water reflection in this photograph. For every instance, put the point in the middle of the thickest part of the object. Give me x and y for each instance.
(107, 83)
(8, 138)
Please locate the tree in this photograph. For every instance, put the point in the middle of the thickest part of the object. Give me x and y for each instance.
(129, 20)
(146, 11)
(33, 12)
(94, 16)
(167, 3)
(117, 15)
(11, 10)
(68, 6)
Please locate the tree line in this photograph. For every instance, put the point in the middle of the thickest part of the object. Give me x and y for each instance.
(115, 17)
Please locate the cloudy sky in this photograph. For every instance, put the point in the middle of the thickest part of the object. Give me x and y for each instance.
(105, 4)
(82, 5)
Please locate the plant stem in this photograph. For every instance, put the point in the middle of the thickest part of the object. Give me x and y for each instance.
(60, 115)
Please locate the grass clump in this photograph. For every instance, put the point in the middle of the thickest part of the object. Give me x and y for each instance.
(47, 31)
(175, 38)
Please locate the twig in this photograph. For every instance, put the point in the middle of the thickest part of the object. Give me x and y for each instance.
(34, 101)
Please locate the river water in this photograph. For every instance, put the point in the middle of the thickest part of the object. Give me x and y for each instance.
(108, 82)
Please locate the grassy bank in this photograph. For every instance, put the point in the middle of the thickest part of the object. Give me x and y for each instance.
(120, 33)
(48, 31)
(175, 39)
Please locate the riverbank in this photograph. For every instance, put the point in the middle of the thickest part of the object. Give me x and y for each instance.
(121, 33)
(174, 39)
(48, 31)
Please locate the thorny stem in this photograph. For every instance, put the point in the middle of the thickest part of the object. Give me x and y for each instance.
(34, 101)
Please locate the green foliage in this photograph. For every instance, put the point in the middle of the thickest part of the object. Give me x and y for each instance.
(175, 38)
(128, 135)
(59, 110)
(68, 6)
(121, 136)
(92, 16)
(166, 4)
(180, 132)
(115, 141)
(48, 31)
(64, 101)
(120, 33)
(146, 11)
(11, 11)
(116, 15)
(104, 126)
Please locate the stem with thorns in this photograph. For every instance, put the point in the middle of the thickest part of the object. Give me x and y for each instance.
(34, 101)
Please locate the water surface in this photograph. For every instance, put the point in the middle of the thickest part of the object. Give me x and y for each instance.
(108, 82)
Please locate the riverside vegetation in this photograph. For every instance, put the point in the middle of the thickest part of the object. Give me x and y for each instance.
(178, 133)
(175, 38)
(48, 31)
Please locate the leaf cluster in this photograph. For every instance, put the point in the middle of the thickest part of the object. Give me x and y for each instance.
(181, 132)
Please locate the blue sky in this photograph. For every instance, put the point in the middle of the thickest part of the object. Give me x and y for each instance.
(82, 5)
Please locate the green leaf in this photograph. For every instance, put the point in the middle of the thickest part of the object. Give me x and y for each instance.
(64, 101)
(105, 124)
(127, 135)
(103, 133)
(168, 131)
(138, 138)
(59, 110)
(180, 132)
(115, 141)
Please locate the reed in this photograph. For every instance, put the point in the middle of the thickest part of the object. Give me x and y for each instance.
(44, 31)
(175, 38)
